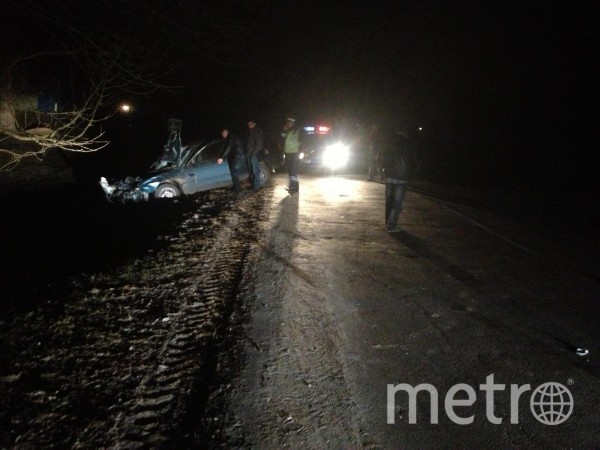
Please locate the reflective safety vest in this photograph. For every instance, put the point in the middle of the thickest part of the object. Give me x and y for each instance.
(292, 141)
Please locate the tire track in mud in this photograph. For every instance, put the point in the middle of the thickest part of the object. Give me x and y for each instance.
(194, 329)
(182, 371)
(126, 361)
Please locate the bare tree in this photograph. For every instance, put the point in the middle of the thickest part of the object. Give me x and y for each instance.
(104, 48)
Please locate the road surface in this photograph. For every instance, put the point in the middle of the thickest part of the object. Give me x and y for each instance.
(269, 321)
(483, 309)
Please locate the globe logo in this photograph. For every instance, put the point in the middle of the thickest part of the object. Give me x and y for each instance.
(551, 403)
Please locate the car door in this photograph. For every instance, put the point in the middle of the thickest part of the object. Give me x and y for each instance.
(202, 172)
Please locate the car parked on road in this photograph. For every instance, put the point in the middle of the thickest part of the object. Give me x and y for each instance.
(324, 149)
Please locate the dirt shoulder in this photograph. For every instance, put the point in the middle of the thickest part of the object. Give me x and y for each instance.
(121, 358)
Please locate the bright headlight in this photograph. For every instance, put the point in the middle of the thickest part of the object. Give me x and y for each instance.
(336, 156)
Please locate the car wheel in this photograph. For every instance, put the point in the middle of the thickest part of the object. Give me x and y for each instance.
(167, 190)
(265, 174)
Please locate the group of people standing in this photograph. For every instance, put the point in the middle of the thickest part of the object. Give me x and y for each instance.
(391, 159)
(238, 154)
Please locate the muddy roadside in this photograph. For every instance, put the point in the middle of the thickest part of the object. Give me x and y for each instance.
(124, 357)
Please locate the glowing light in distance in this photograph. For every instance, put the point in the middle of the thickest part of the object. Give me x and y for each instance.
(336, 156)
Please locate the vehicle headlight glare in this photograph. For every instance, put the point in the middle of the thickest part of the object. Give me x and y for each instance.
(336, 156)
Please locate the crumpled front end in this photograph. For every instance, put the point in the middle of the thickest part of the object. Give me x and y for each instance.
(142, 189)
(125, 191)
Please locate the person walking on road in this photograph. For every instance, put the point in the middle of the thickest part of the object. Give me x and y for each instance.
(254, 145)
(234, 153)
(398, 161)
(291, 147)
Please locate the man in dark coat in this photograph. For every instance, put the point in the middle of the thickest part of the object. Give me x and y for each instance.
(398, 161)
(233, 152)
(254, 145)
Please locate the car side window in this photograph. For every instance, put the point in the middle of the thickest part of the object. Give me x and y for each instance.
(211, 152)
(195, 160)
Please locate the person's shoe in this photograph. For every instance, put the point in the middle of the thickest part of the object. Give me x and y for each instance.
(370, 179)
(394, 230)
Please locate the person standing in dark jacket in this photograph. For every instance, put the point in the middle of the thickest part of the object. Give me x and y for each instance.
(291, 146)
(233, 152)
(398, 161)
(254, 145)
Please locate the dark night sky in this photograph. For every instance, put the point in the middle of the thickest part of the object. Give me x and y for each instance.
(465, 72)
(509, 85)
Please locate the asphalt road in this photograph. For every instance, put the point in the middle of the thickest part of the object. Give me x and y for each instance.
(483, 308)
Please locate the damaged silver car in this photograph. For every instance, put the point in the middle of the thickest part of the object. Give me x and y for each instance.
(181, 170)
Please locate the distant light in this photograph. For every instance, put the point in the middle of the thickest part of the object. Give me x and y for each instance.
(336, 156)
(320, 129)
(125, 108)
(420, 128)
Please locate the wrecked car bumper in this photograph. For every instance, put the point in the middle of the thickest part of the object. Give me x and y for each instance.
(125, 191)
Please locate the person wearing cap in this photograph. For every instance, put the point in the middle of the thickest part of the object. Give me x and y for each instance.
(291, 147)
(254, 145)
(233, 152)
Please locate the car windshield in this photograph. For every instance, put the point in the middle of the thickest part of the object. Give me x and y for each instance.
(312, 140)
